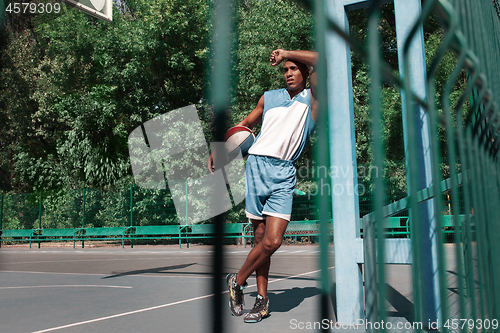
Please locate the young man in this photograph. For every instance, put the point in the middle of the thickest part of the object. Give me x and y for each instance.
(288, 119)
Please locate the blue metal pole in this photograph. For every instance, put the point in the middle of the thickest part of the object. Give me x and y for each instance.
(407, 13)
(345, 201)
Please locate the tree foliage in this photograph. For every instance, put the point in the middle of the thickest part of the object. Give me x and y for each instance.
(72, 88)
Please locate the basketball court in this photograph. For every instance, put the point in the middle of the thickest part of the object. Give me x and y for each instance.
(148, 289)
(160, 289)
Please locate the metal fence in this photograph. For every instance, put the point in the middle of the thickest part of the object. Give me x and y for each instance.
(472, 32)
(133, 206)
(469, 299)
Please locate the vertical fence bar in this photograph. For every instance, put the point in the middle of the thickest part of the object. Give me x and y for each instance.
(2, 11)
(377, 285)
(442, 311)
(39, 219)
(220, 96)
(412, 180)
(83, 214)
(187, 221)
(482, 184)
(131, 206)
(418, 156)
(1, 205)
(470, 149)
(342, 141)
(131, 213)
(465, 175)
(322, 157)
(187, 234)
(453, 164)
(1, 211)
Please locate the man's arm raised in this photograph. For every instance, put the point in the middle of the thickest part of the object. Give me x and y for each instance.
(308, 58)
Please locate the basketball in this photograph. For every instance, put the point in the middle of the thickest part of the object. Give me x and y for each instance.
(239, 138)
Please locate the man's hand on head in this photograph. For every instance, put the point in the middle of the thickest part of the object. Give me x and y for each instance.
(277, 56)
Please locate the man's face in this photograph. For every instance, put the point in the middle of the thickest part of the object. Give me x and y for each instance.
(294, 77)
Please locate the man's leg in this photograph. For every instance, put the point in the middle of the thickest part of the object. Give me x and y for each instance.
(269, 236)
(275, 228)
(262, 273)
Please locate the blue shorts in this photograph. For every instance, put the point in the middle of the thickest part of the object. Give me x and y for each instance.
(269, 186)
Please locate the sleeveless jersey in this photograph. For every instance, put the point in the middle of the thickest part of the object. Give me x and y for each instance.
(287, 125)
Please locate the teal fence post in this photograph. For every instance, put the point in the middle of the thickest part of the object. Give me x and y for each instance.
(322, 158)
(83, 215)
(220, 95)
(1, 217)
(1, 211)
(131, 212)
(186, 202)
(2, 11)
(187, 234)
(39, 219)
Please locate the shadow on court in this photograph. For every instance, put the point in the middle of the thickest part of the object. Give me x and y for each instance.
(158, 270)
(402, 305)
(284, 300)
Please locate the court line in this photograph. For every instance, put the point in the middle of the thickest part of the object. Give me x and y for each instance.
(68, 285)
(99, 274)
(81, 260)
(31, 272)
(157, 307)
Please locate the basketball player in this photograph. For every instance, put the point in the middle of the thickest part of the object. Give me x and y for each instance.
(288, 119)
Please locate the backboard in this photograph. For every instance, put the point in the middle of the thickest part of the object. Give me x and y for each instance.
(102, 9)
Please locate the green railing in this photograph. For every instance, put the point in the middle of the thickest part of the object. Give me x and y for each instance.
(133, 206)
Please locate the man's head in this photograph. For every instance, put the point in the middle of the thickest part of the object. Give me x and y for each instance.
(296, 74)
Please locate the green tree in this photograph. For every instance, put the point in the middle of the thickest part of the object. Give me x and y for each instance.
(72, 88)
(75, 87)
(395, 170)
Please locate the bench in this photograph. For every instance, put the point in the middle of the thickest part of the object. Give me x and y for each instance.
(305, 229)
(400, 226)
(395, 227)
(449, 224)
(172, 231)
(103, 233)
(17, 235)
(66, 234)
(231, 230)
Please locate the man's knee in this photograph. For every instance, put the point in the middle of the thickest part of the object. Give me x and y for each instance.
(259, 232)
(271, 244)
(258, 235)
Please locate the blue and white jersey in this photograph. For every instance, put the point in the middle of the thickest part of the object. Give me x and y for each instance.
(287, 125)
